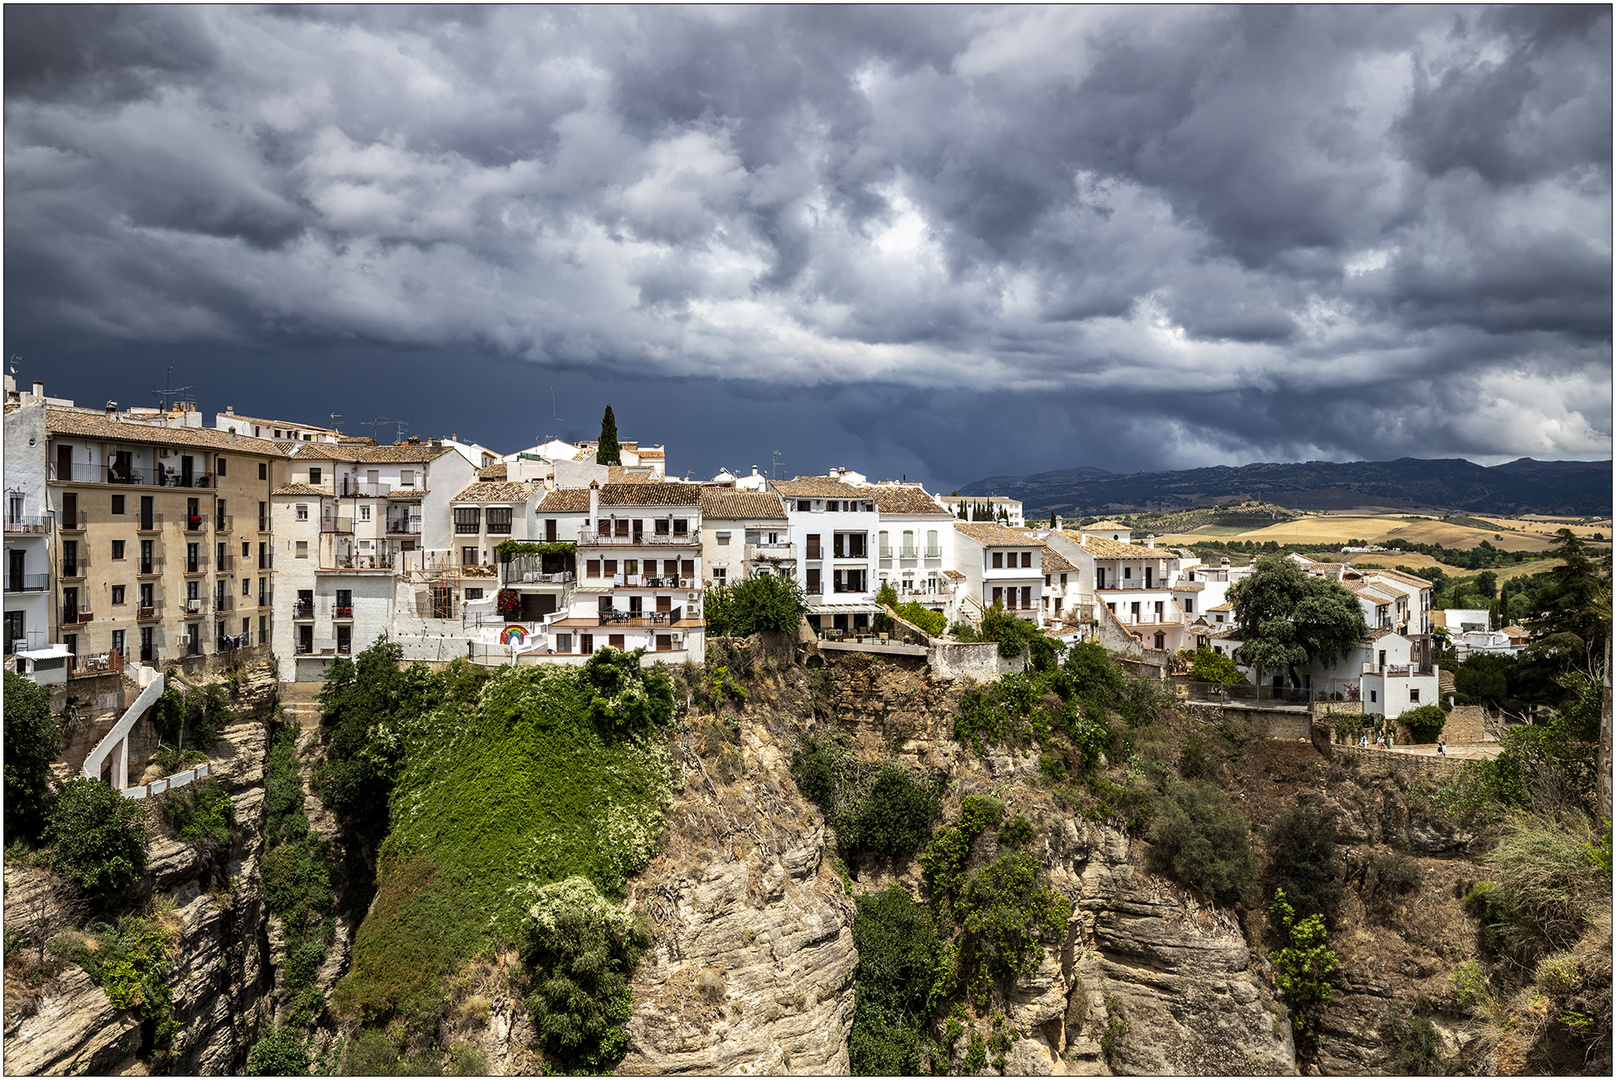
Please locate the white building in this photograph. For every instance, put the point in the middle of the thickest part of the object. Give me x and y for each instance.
(274, 430)
(29, 532)
(1000, 566)
(914, 543)
(1006, 511)
(742, 533)
(833, 526)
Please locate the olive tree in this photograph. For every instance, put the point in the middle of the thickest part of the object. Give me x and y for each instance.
(1288, 618)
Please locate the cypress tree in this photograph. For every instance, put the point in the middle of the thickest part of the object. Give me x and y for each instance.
(609, 452)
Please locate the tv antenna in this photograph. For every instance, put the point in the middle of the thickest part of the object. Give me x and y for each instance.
(375, 427)
(14, 359)
(168, 392)
(401, 427)
(334, 418)
(555, 421)
(774, 464)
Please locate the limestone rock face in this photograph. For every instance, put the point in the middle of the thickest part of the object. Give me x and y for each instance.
(74, 1030)
(1171, 979)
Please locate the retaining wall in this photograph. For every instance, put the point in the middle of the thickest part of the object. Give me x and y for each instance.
(978, 661)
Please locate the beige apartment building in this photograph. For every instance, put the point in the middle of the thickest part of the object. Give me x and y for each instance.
(162, 535)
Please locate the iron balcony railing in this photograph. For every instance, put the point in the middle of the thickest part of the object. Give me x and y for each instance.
(266, 560)
(150, 610)
(336, 525)
(195, 523)
(37, 526)
(224, 523)
(196, 566)
(194, 605)
(225, 564)
(412, 528)
(73, 522)
(263, 523)
(222, 604)
(303, 610)
(162, 476)
(149, 523)
(77, 567)
(596, 537)
(27, 582)
(76, 616)
(151, 567)
(343, 611)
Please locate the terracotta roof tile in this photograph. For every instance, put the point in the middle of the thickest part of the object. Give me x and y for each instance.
(991, 535)
(566, 501)
(726, 504)
(820, 487)
(284, 425)
(397, 452)
(493, 472)
(1055, 562)
(497, 492)
(1103, 547)
(663, 493)
(906, 501)
(301, 489)
(95, 425)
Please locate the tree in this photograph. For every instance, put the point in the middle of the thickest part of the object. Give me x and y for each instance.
(760, 602)
(279, 1053)
(1424, 723)
(99, 838)
(1210, 666)
(1575, 601)
(33, 739)
(1201, 840)
(1288, 618)
(609, 452)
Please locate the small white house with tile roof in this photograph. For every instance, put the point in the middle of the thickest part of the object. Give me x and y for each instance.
(833, 527)
(1000, 566)
(742, 533)
(914, 543)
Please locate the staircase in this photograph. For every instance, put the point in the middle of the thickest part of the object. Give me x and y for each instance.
(118, 738)
(300, 703)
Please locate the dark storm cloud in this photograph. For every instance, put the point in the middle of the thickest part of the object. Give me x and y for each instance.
(1127, 237)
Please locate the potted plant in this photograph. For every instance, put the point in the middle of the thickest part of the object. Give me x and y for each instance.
(508, 603)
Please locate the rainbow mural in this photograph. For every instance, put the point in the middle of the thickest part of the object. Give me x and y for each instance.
(513, 635)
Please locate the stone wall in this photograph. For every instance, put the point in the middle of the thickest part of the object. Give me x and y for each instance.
(977, 661)
(1259, 723)
(1466, 726)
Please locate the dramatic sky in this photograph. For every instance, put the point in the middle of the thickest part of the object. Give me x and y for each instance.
(934, 242)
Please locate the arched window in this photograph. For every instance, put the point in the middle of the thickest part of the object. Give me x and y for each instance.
(932, 550)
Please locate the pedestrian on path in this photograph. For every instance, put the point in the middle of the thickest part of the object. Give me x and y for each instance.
(1442, 746)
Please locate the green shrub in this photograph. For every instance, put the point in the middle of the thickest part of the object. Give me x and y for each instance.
(932, 622)
(625, 696)
(1208, 665)
(1302, 968)
(1470, 983)
(1006, 913)
(1424, 723)
(370, 1053)
(279, 1053)
(33, 739)
(303, 963)
(583, 950)
(1546, 881)
(297, 881)
(1016, 834)
(891, 814)
(817, 766)
(1302, 862)
(1416, 1047)
(130, 961)
(202, 813)
(99, 838)
(466, 1060)
(1199, 839)
(898, 950)
(963, 631)
(1195, 762)
(1557, 974)
(945, 857)
(1016, 635)
(1397, 873)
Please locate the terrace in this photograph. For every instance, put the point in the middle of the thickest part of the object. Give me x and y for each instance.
(35, 526)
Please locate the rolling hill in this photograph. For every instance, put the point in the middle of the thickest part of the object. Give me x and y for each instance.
(1524, 486)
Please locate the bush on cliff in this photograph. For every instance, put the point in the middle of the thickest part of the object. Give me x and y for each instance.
(1200, 840)
(99, 839)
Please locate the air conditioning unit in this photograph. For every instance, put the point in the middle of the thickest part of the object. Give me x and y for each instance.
(185, 639)
(695, 596)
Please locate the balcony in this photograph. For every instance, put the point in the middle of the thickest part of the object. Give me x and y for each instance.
(152, 567)
(266, 598)
(769, 552)
(408, 491)
(402, 527)
(196, 566)
(35, 526)
(222, 604)
(337, 525)
(303, 611)
(194, 605)
(162, 476)
(363, 489)
(343, 613)
(596, 538)
(266, 560)
(27, 582)
(149, 523)
(73, 522)
(224, 523)
(76, 616)
(225, 565)
(195, 523)
(149, 612)
(77, 568)
(644, 618)
(87, 667)
(263, 523)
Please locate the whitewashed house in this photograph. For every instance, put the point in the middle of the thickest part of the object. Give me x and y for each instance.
(742, 533)
(833, 528)
(1000, 566)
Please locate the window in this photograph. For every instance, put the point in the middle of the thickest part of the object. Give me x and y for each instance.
(468, 556)
(302, 511)
(263, 470)
(118, 641)
(302, 549)
(813, 546)
(314, 476)
(563, 643)
(117, 504)
(998, 560)
(813, 582)
(720, 575)
(467, 520)
(364, 512)
(998, 594)
(117, 549)
(550, 530)
(723, 539)
(1413, 695)
(1026, 559)
(246, 589)
(406, 478)
(117, 594)
(1127, 573)
(499, 519)
(1189, 605)
(908, 550)
(882, 546)
(474, 594)
(221, 466)
(592, 568)
(1372, 698)
(681, 527)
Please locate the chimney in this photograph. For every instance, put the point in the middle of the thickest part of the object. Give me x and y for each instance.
(230, 410)
(39, 389)
(1082, 535)
(415, 440)
(1150, 541)
(1225, 562)
(112, 410)
(594, 503)
(1057, 523)
(232, 434)
(454, 436)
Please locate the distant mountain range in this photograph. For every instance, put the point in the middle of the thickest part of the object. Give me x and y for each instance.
(1525, 486)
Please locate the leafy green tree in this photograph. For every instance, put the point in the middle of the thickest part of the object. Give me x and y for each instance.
(1424, 723)
(898, 950)
(623, 694)
(609, 451)
(362, 700)
(1303, 863)
(1570, 615)
(1015, 634)
(1302, 968)
(99, 838)
(760, 602)
(932, 622)
(33, 740)
(1288, 618)
(1209, 665)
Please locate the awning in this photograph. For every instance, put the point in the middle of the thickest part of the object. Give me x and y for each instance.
(845, 609)
(49, 652)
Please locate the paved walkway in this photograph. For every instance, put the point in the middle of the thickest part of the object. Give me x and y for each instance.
(1460, 753)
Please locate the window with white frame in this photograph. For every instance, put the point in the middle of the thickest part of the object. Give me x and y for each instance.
(302, 511)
